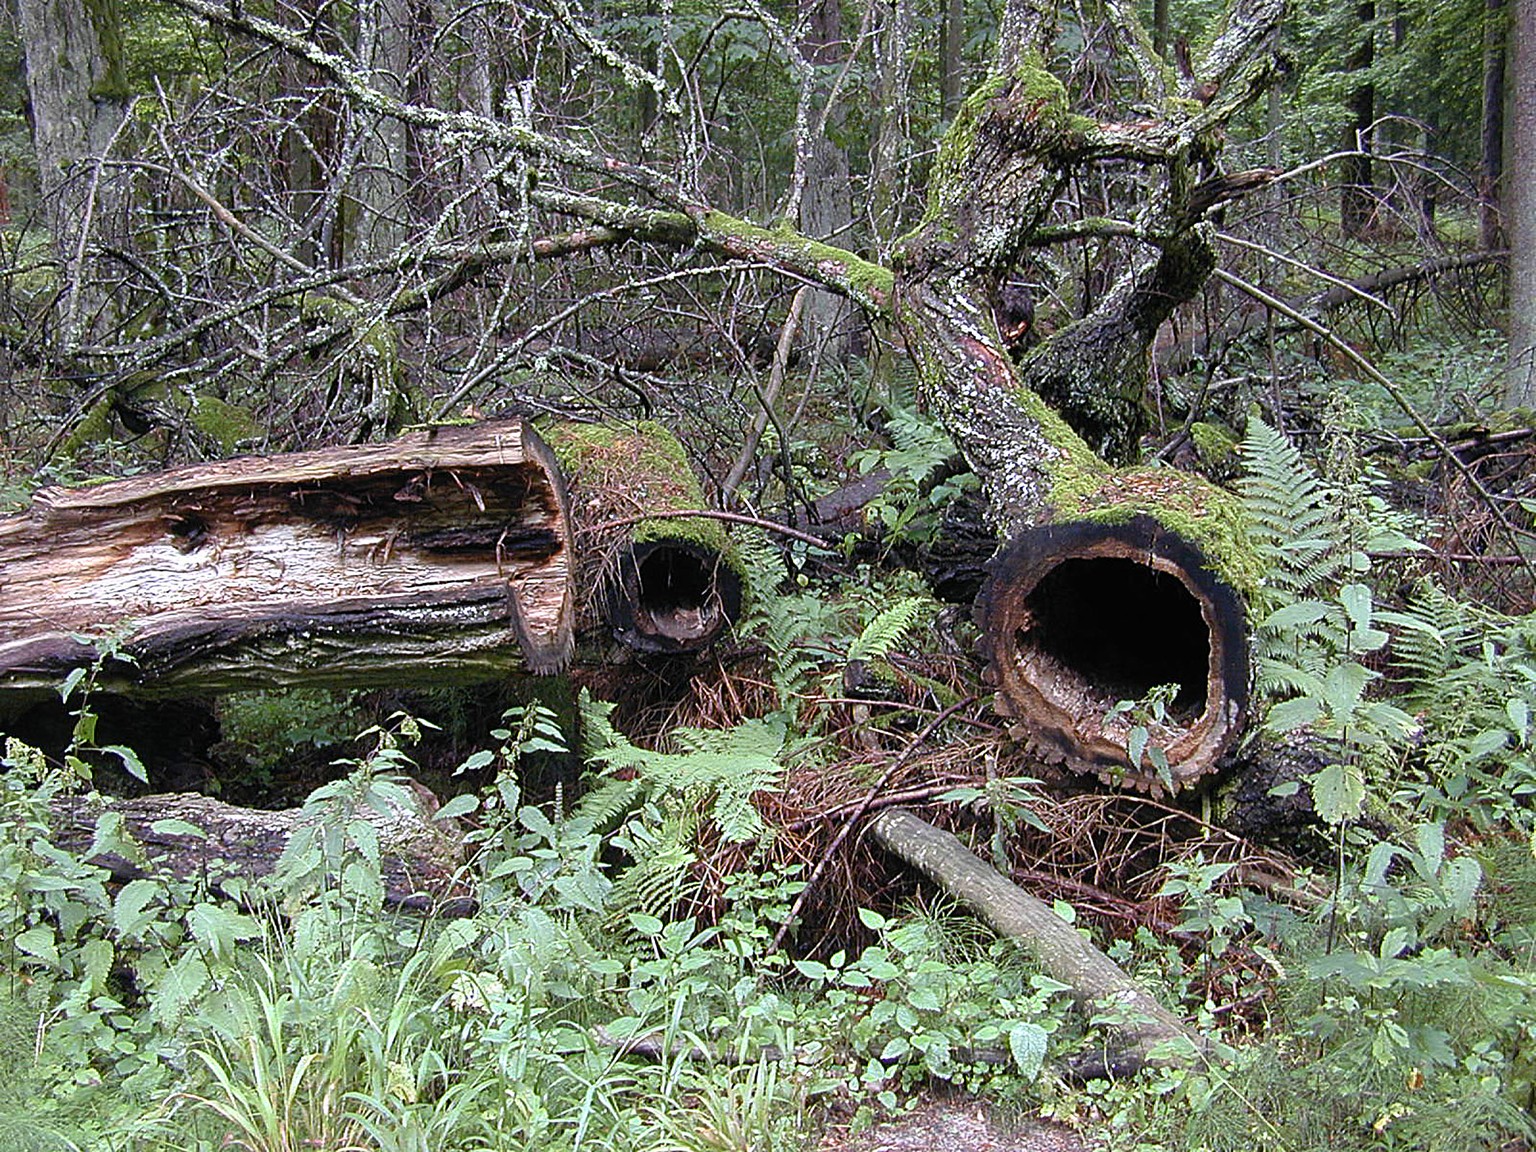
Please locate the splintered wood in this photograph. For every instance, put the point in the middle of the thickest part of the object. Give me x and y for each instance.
(445, 552)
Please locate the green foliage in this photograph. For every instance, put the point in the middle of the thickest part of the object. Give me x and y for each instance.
(1317, 620)
(713, 772)
(913, 499)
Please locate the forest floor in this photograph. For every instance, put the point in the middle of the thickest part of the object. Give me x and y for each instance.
(957, 1125)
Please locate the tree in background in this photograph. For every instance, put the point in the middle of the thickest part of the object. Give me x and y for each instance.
(1520, 205)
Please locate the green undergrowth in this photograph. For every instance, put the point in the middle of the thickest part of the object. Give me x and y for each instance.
(624, 979)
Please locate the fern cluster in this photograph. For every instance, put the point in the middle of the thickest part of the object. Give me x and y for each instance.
(1318, 619)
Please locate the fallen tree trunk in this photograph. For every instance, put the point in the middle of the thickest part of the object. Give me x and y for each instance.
(1146, 1033)
(661, 585)
(443, 555)
(421, 860)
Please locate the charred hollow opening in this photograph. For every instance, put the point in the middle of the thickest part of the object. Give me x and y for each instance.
(676, 596)
(1115, 629)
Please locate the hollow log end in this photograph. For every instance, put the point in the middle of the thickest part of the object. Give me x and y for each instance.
(1079, 617)
(671, 595)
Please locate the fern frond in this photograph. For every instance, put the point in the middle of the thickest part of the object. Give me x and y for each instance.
(652, 885)
(881, 635)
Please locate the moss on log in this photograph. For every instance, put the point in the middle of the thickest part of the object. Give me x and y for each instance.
(660, 584)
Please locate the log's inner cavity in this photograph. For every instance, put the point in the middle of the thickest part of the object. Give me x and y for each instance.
(1104, 629)
(677, 597)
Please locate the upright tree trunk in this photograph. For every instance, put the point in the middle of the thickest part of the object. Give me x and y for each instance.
(891, 92)
(77, 96)
(826, 205)
(952, 63)
(1357, 201)
(381, 211)
(1520, 205)
(1491, 164)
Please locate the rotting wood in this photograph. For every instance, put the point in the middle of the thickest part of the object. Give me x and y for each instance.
(421, 859)
(1146, 1033)
(660, 580)
(443, 556)
(1080, 616)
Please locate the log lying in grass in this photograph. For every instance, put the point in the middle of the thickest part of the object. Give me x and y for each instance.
(660, 585)
(1146, 1033)
(443, 555)
(421, 860)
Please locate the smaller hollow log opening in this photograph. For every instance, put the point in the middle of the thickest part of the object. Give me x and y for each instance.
(673, 596)
(1092, 630)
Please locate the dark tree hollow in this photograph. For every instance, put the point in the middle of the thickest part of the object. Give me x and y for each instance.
(672, 596)
(1119, 628)
(1082, 616)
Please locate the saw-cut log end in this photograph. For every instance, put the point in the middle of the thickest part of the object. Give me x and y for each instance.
(1080, 617)
(671, 596)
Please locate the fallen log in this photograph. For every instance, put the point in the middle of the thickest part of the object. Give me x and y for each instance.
(189, 836)
(1096, 629)
(443, 555)
(660, 584)
(1146, 1033)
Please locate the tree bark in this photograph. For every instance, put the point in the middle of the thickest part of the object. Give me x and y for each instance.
(1491, 160)
(952, 59)
(421, 860)
(661, 585)
(1357, 201)
(826, 205)
(441, 556)
(1034, 467)
(77, 99)
(1520, 207)
(380, 207)
(1146, 1033)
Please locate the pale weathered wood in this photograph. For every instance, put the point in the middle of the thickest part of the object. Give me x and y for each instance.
(421, 860)
(443, 555)
(1145, 1032)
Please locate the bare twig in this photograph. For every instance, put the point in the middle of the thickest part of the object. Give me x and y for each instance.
(858, 814)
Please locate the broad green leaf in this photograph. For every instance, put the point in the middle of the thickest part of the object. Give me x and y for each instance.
(175, 827)
(1289, 715)
(131, 762)
(219, 929)
(1430, 841)
(1461, 879)
(1338, 792)
(1395, 942)
(1356, 599)
(477, 760)
(1343, 688)
(131, 911)
(177, 988)
(458, 806)
(1027, 1041)
(1519, 713)
(96, 958)
(38, 943)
